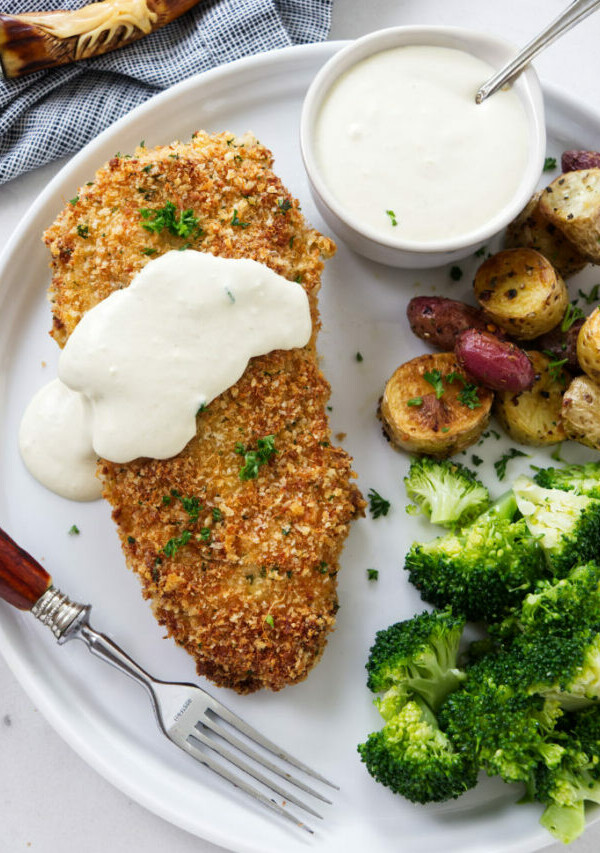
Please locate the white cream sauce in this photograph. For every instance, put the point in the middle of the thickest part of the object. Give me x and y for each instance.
(400, 139)
(56, 442)
(148, 357)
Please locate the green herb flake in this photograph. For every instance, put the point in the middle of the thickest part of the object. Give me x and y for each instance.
(253, 459)
(74, 530)
(166, 499)
(131, 540)
(74, 200)
(476, 460)
(480, 252)
(192, 507)
(434, 377)
(445, 429)
(556, 453)
(500, 464)
(571, 314)
(456, 273)
(549, 164)
(181, 224)
(372, 574)
(204, 534)
(149, 251)
(217, 514)
(468, 396)
(284, 204)
(236, 221)
(392, 216)
(378, 506)
(592, 296)
(83, 231)
(359, 357)
(269, 620)
(147, 168)
(555, 369)
(175, 543)
(415, 401)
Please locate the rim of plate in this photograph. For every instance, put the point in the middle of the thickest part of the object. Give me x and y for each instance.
(19, 663)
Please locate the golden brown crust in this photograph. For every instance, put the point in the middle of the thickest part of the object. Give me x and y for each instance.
(252, 594)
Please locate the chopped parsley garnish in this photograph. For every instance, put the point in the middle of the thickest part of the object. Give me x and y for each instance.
(166, 499)
(147, 168)
(217, 514)
(149, 251)
(359, 357)
(323, 567)
(592, 296)
(180, 225)
(284, 204)
(468, 396)
(230, 294)
(131, 540)
(556, 453)
(392, 216)
(175, 543)
(500, 465)
(204, 534)
(74, 530)
(476, 460)
(83, 231)
(480, 252)
(74, 200)
(253, 459)
(372, 574)
(434, 377)
(235, 220)
(555, 369)
(192, 507)
(415, 401)
(201, 408)
(456, 273)
(378, 506)
(549, 164)
(269, 620)
(571, 314)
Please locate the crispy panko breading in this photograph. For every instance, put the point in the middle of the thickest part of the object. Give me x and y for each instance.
(251, 592)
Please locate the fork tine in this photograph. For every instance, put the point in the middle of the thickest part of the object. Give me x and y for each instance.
(203, 758)
(251, 753)
(242, 726)
(251, 771)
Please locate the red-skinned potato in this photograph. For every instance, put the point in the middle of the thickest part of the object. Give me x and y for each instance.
(499, 365)
(438, 321)
(574, 161)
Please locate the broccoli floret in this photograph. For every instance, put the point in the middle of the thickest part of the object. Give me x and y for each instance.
(483, 571)
(565, 788)
(417, 656)
(581, 479)
(414, 758)
(508, 730)
(446, 492)
(567, 524)
(565, 605)
(562, 667)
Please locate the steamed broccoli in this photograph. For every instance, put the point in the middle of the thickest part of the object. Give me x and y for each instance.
(565, 788)
(581, 479)
(563, 606)
(493, 718)
(446, 492)
(417, 656)
(482, 571)
(567, 524)
(415, 663)
(414, 758)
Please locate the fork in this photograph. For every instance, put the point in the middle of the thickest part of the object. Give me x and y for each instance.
(189, 716)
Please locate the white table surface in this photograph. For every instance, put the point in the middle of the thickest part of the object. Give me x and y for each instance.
(50, 800)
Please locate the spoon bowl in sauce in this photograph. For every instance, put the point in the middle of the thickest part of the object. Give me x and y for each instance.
(402, 164)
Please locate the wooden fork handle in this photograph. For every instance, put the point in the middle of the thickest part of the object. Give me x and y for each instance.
(37, 40)
(22, 580)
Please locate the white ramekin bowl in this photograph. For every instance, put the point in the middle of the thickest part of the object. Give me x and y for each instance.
(403, 253)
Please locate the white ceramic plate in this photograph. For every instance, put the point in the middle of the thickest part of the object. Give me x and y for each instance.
(106, 718)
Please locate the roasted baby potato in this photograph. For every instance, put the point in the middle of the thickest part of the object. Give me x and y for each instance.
(572, 203)
(574, 161)
(531, 230)
(430, 406)
(581, 412)
(439, 321)
(561, 345)
(534, 416)
(588, 346)
(522, 292)
(499, 365)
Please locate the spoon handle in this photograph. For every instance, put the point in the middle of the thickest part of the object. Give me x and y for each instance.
(572, 15)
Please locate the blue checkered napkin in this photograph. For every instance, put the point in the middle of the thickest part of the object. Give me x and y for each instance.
(55, 112)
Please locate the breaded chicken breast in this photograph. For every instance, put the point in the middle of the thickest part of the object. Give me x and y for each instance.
(242, 572)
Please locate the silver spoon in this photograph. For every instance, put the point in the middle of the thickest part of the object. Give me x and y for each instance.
(572, 15)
